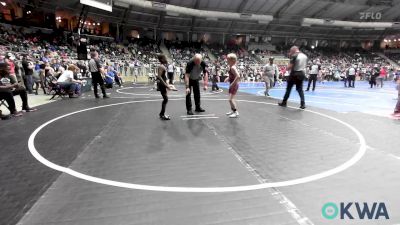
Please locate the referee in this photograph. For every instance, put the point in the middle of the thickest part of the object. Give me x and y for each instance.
(297, 68)
(194, 68)
(96, 70)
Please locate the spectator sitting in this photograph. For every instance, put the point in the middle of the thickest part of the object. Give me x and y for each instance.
(110, 76)
(67, 81)
(9, 88)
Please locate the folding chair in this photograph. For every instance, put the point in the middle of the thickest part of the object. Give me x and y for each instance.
(56, 90)
(3, 102)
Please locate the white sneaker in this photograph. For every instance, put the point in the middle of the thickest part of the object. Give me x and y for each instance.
(234, 115)
(230, 113)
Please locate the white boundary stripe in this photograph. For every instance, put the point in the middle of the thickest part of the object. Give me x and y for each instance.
(202, 115)
(357, 157)
(201, 118)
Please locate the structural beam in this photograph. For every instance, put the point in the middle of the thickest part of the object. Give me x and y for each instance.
(162, 16)
(239, 9)
(196, 6)
(283, 8)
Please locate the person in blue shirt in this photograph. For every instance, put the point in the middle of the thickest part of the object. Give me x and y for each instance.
(110, 76)
(117, 79)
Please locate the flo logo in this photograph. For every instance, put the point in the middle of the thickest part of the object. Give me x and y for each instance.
(355, 210)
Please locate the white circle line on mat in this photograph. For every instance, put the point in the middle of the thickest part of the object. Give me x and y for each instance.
(360, 153)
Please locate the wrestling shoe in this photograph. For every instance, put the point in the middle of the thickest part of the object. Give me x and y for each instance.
(165, 117)
(234, 115)
(283, 104)
(230, 113)
(200, 110)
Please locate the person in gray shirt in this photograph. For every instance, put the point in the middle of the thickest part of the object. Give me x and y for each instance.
(271, 72)
(297, 68)
(192, 77)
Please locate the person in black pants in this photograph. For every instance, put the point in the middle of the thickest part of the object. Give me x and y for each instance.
(215, 79)
(312, 79)
(192, 77)
(8, 90)
(163, 86)
(314, 71)
(375, 74)
(171, 70)
(28, 68)
(96, 70)
(297, 68)
(351, 72)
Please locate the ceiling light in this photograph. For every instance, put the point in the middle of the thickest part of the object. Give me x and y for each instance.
(97, 4)
(3, 3)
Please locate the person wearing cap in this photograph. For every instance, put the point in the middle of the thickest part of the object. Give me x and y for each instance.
(314, 71)
(194, 68)
(271, 72)
(297, 68)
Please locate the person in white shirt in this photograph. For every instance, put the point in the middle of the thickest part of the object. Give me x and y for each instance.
(351, 76)
(170, 71)
(179, 73)
(67, 81)
(314, 71)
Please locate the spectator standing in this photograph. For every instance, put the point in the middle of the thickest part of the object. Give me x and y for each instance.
(10, 61)
(397, 108)
(215, 78)
(96, 70)
(28, 69)
(374, 75)
(171, 70)
(352, 76)
(270, 72)
(382, 76)
(314, 71)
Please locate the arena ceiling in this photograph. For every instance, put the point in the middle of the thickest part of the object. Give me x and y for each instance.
(287, 15)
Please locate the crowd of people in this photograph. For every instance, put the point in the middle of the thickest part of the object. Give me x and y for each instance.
(39, 61)
(46, 63)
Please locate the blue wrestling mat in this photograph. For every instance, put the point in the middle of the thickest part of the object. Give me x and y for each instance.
(334, 96)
